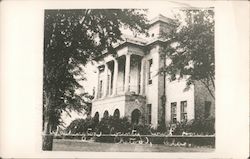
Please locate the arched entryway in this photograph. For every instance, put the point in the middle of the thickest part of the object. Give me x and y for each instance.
(116, 113)
(135, 116)
(96, 117)
(105, 114)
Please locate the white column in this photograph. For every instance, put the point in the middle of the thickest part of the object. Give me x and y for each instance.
(142, 77)
(97, 84)
(115, 77)
(105, 88)
(127, 72)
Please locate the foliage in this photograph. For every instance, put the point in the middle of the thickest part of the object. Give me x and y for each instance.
(143, 129)
(181, 127)
(162, 128)
(71, 38)
(108, 125)
(196, 126)
(104, 126)
(79, 126)
(76, 126)
(112, 125)
(205, 126)
(190, 49)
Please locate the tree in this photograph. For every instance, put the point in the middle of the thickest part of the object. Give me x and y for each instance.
(190, 49)
(71, 38)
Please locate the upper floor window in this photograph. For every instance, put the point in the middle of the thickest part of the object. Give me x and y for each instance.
(183, 110)
(174, 112)
(108, 85)
(150, 70)
(100, 89)
(207, 109)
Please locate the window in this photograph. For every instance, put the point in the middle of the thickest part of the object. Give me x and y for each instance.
(183, 110)
(150, 70)
(149, 112)
(100, 89)
(96, 117)
(106, 114)
(207, 109)
(108, 84)
(117, 114)
(173, 112)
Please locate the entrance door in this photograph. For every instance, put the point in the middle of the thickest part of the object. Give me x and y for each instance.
(135, 116)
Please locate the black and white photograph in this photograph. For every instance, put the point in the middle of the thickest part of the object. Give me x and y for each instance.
(124, 79)
(129, 80)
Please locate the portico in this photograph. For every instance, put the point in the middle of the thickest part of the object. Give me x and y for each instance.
(121, 75)
(120, 83)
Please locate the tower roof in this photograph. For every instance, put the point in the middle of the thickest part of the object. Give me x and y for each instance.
(161, 18)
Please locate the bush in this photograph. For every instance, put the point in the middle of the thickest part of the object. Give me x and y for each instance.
(76, 126)
(123, 125)
(112, 125)
(162, 127)
(180, 127)
(80, 126)
(197, 126)
(209, 125)
(142, 129)
(107, 125)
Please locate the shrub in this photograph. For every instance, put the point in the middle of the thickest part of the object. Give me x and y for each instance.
(162, 127)
(112, 125)
(76, 126)
(123, 125)
(209, 125)
(80, 126)
(180, 127)
(103, 126)
(197, 126)
(142, 129)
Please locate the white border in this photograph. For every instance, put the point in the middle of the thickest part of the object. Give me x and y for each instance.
(21, 63)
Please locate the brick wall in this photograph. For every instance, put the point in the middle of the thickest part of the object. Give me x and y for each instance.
(201, 95)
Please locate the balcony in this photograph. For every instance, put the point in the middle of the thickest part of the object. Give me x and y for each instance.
(132, 90)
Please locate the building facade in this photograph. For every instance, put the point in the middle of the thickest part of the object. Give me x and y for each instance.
(129, 83)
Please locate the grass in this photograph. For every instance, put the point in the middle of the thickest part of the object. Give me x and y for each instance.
(78, 145)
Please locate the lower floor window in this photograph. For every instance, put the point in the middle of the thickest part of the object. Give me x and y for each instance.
(173, 112)
(183, 110)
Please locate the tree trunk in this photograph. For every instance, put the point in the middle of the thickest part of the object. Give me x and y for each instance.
(47, 142)
(47, 137)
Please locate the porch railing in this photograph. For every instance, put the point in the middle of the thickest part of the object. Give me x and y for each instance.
(132, 88)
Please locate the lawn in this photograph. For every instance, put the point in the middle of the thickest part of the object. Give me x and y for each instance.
(78, 145)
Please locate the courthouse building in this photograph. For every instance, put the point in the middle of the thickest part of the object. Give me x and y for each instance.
(129, 84)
